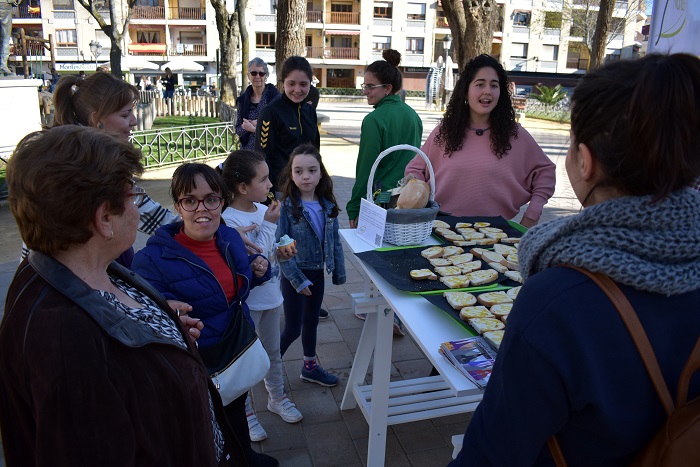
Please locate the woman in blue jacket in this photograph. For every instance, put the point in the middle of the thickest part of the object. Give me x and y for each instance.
(204, 263)
(253, 100)
(567, 365)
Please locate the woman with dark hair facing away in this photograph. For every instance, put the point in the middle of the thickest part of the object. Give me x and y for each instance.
(391, 122)
(95, 367)
(252, 101)
(485, 163)
(203, 262)
(289, 121)
(567, 365)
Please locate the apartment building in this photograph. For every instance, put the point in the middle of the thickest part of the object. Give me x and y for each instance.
(342, 36)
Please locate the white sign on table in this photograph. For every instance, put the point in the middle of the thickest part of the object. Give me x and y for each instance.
(371, 223)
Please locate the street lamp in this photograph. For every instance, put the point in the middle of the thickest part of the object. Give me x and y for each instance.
(95, 49)
(446, 44)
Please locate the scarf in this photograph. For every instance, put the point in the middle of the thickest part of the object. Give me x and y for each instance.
(652, 247)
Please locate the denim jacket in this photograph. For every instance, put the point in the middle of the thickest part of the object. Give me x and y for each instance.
(312, 252)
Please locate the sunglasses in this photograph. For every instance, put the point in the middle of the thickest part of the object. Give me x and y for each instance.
(257, 73)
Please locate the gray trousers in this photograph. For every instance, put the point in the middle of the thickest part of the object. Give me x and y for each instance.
(5, 33)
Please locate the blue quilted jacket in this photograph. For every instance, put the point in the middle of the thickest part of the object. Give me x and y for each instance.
(179, 274)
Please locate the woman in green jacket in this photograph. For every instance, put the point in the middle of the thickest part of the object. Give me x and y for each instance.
(391, 122)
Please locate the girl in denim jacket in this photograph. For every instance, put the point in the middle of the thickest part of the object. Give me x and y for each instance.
(309, 216)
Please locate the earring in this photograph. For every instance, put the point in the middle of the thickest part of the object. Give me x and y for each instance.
(111, 236)
(100, 125)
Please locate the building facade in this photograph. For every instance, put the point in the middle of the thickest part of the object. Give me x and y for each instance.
(342, 36)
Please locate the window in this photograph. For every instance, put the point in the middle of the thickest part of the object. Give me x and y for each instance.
(66, 38)
(518, 50)
(416, 11)
(148, 37)
(414, 45)
(63, 4)
(579, 23)
(521, 18)
(341, 7)
(381, 42)
(265, 40)
(550, 52)
(552, 19)
(309, 40)
(341, 41)
(383, 10)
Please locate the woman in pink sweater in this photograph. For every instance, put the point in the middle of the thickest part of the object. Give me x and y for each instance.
(485, 163)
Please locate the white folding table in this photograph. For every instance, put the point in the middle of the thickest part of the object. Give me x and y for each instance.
(384, 402)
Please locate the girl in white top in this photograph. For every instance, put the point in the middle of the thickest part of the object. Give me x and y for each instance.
(247, 176)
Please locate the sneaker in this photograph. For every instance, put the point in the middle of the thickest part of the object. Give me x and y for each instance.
(285, 409)
(362, 316)
(255, 429)
(319, 376)
(323, 314)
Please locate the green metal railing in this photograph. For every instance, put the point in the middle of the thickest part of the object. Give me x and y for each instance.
(172, 146)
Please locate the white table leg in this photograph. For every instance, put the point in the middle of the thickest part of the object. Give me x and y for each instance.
(360, 364)
(380, 387)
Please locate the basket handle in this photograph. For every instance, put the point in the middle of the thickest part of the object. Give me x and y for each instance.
(401, 147)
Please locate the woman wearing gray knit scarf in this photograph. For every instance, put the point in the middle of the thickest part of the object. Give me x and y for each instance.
(567, 365)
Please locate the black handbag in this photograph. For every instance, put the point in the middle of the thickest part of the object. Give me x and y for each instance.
(238, 361)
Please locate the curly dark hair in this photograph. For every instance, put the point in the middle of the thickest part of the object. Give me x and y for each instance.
(324, 189)
(453, 130)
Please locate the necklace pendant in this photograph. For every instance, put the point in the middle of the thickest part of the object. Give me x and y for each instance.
(479, 132)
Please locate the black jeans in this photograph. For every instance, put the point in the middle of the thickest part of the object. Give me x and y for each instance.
(301, 313)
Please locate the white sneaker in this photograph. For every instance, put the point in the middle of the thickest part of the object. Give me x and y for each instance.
(285, 409)
(255, 429)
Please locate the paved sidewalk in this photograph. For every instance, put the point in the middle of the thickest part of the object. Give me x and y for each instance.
(328, 436)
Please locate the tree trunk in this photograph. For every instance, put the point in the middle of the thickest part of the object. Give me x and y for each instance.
(227, 25)
(291, 33)
(600, 37)
(471, 27)
(119, 15)
(241, 5)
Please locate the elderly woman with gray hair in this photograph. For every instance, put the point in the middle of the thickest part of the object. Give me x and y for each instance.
(252, 101)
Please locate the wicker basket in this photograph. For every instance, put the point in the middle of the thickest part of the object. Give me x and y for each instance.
(407, 226)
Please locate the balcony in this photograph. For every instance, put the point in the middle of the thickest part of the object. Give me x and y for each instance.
(147, 48)
(344, 18)
(441, 22)
(26, 12)
(187, 13)
(333, 53)
(189, 49)
(314, 16)
(549, 66)
(314, 52)
(148, 12)
(520, 34)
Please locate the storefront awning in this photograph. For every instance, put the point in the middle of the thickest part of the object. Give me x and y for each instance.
(342, 33)
(154, 49)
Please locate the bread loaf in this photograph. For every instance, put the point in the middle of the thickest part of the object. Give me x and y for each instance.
(414, 195)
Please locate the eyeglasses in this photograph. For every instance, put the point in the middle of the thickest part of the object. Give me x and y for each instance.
(138, 194)
(369, 87)
(191, 203)
(257, 73)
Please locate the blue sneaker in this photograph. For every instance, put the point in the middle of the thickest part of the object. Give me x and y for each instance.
(319, 376)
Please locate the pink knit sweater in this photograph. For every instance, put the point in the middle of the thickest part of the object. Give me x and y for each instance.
(474, 182)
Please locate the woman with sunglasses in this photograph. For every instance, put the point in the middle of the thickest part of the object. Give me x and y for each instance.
(391, 122)
(203, 262)
(252, 101)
